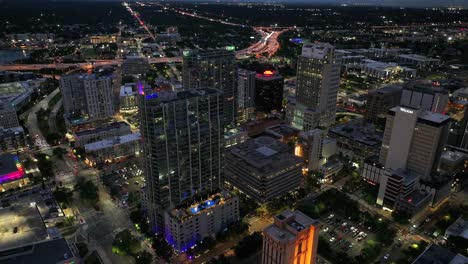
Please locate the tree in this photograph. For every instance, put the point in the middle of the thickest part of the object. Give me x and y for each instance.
(457, 244)
(143, 257)
(162, 248)
(140, 221)
(59, 152)
(88, 190)
(248, 245)
(312, 181)
(125, 243)
(63, 196)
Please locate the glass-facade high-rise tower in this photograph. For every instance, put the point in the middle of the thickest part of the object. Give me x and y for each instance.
(215, 69)
(183, 147)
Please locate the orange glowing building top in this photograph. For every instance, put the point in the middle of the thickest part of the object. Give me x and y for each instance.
(292, 238)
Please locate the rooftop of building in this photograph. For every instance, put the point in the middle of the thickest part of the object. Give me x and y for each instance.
(425, 86)
(170, 96)
(405, 175)
(126, 91)
(358, 132)
(199, 207)
(416, 197)
(10, 168)
(458, 228)
(282, 130)
(257, 127)
(288, 224)
(435, 254)
(388, 89)
(109, 126)
(11, 130)
(417, 57)
(269, 75)
(112, 141)
(431, 117)
(331, 163)
(264, 154)
(46, 251)
(453, 156)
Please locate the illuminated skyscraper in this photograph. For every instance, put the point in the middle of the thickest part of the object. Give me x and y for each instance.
(87, 95)
(246, 95)
(292, 238)
(318, 77)
(183, 146)
(214, 69)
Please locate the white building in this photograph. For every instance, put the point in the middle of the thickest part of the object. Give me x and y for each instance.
(414, 140)
(127, 98)
(419, 61)
(186, 226)
(386, 70)
(87, 95)
(318, 77)
(112, 149)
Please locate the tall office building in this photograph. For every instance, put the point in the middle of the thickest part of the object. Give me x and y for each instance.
(73, 94)
(87, 95)
(318, 77)
(8, 116)
(379, 101)
(269, 88)
(183, 146)
(292, 238)
(246, 95)
(414, 140)
(98, 93)
(214, 69)
(425, 95)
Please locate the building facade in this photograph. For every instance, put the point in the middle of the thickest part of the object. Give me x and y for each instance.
(188, 225)
(309, 147)
(8, 116)
(246, 95)
(423, 94)
(263, 168)
(318, 77)
(88, 96)
(292, 238)
(269, 88)
(183, 146)
(379, 101)
(414, 140)
(215, 69)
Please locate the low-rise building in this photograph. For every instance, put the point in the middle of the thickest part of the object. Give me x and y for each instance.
(53, 251)
(235, 136)
(12, 173)
(263, 168)
(127, 98)
(458, 228)
(135, 65)
(386, 70)
(437, 254)
(330, 169)
(356, 140)
(114, 129)
(419, 61)
(113, 149)
(395, 183)
(186, 226)
(12, 139)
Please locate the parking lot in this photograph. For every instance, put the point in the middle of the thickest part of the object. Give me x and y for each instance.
(344, 235)
(123, 181)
